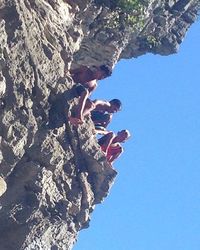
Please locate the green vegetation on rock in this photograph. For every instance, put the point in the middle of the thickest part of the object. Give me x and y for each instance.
(125, 13)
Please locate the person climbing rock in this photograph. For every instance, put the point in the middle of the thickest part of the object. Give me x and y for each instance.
(102, 114)
(86, 74)
(83, 92)
(110, 144)
(87, 79)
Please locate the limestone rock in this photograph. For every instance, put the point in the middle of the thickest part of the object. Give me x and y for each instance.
(56, 173)
(3, 186)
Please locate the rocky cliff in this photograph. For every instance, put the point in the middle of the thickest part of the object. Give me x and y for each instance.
(51, 173)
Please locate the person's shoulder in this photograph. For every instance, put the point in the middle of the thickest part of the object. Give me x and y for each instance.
(92, 83)
(98, 101)
(106, 103)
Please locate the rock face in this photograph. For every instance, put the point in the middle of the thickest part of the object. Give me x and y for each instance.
(53, 174)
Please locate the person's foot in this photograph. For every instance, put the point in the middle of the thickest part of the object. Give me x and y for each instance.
(75, 121)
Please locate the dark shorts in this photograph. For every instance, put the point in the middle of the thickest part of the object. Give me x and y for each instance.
(79, 90)
(106, 139)
(99, 118)
(102, 140)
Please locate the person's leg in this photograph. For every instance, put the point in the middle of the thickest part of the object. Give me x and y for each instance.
(77, 118)
(107, 120)
(89, 106)
(81, 104)
(100, 118)
(105, 141)
(114, 154)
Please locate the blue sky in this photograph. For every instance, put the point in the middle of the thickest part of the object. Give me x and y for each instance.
(155, 201)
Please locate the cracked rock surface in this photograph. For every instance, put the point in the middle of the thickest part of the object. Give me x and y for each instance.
(52, 174)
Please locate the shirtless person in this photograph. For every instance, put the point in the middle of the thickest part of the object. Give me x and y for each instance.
(87, 77)
(110, 144)
(85, 74)
(102, 114)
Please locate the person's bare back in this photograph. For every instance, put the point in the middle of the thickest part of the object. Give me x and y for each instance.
(102, 114)
(85, 74)
(82, 75)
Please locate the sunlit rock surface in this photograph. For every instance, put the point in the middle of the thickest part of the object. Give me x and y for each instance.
(53, 174)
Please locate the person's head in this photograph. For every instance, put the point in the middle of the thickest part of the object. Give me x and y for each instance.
(102, 72)
(115, 105)
(123, 135)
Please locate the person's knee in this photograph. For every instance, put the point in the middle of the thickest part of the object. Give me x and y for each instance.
(110, 134)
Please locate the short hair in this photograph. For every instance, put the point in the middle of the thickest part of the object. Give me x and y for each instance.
(106, 69)
(117, 103)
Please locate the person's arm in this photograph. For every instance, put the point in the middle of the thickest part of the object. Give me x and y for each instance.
(91, 85)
